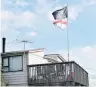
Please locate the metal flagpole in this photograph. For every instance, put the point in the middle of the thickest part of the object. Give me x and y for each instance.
(67, 45)
(67, 35)
(68, 55)
(56, 17)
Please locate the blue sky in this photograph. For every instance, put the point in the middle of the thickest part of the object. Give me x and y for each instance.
(81, 26)
(32, 20)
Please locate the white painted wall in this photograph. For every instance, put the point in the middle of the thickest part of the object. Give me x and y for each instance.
(36, 57)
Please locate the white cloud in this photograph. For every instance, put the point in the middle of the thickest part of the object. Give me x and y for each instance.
(74, 10)
(45, 6)
(42, 2)
(4, 15)
(42, 6)
(11, 23)
(16, 20)
(21, 3)
(32, 34)
(87, 49)
(24, 19)
(89, 2)
(85, 57)
(50, 17)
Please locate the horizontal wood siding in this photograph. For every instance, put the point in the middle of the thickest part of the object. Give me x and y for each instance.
(19, 77)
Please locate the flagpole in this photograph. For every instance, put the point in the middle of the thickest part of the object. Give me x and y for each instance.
(68, 37)
(68, 43)
(56, 17)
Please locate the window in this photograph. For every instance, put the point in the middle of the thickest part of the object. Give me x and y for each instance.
(14, 63)
(5, 64)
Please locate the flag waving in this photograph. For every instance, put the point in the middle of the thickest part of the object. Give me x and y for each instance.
(61, 17)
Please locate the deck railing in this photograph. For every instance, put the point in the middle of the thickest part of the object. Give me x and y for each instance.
(65, 73)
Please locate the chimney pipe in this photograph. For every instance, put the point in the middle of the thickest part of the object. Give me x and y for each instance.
(3, 44)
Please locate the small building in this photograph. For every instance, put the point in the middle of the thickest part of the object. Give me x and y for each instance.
(33, 68)
(15, 64)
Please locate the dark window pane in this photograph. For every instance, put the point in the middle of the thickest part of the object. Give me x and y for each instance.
(15, 63)
(5, 61)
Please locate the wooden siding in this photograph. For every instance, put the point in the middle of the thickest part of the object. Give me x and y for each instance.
(19, 77)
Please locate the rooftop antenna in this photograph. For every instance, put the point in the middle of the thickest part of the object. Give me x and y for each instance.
(24, 42)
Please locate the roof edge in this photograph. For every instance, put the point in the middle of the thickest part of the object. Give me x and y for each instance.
(21, 51)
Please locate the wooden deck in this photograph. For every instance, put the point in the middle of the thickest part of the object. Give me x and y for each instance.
(57, 74)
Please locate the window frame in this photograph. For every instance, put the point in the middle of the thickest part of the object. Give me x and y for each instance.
(3, 63)
(9, 63)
